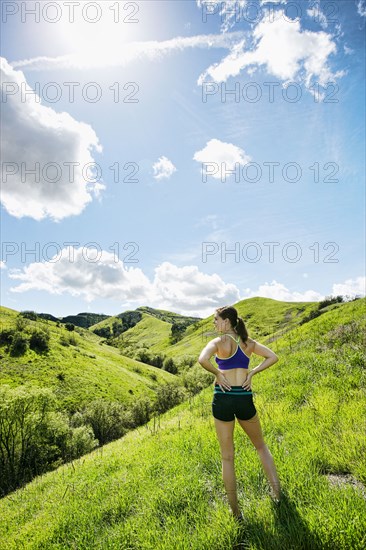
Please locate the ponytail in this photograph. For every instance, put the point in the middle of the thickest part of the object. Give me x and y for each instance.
(241, 330)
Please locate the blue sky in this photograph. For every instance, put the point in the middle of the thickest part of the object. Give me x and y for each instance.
(275, 174)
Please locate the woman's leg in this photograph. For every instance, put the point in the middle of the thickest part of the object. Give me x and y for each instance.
(253, 429)
(224, 432)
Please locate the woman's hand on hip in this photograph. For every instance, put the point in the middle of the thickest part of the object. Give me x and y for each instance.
(247, 384)
(222, 381)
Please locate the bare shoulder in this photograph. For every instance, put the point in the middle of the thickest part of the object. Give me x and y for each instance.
(250, 344)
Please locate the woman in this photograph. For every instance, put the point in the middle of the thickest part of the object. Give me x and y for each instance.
(233, 396)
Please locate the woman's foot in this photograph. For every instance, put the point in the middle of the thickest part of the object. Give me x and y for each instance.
(276, 492)
(239, 518)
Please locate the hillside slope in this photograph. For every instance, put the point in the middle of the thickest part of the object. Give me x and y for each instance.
(160, 486)
(78, 368)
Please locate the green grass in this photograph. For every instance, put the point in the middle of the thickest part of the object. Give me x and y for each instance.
(91, 370)
(160, 486)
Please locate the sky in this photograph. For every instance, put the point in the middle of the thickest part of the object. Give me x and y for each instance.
(182, 155)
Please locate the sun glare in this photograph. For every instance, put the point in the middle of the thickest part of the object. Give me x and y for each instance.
(93, 29)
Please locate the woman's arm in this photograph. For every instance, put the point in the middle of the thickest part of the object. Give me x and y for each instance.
(263, 351)
(204, 361)
(270, 359)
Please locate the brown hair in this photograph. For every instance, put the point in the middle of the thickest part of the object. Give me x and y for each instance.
(237, 323)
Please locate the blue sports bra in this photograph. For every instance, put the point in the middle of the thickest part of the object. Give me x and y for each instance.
(237, 361)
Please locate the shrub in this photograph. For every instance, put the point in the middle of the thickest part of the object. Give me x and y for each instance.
(108, 420)
(196, 379)
(39, 341)
(330, 300)
(157, 361)
(6, 336)
(69, 326)
(143, 356)
(103, 332)
(80, 441)
(21, 323)
(170, 366)
(141, 411)
(167, 396)
(28, 434)
(19, 345)
(32, 315)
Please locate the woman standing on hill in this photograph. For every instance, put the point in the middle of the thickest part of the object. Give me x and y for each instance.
(233, 396)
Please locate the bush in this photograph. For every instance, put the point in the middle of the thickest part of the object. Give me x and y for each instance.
(103, 332)
(330, 300)
(167, 396)
(21, 323)
(19, 345)
(28, 434)
(69, 326)
(80, 441)
(143, 356)
(170, 366)
(196, 379)
(39, 341)
(6, 336)
(141, 411)
(32, 315)
(108, 420)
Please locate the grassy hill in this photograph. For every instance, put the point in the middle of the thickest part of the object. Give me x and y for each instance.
(90, 369)
(78, 368)
(266, 320)
(160, 486)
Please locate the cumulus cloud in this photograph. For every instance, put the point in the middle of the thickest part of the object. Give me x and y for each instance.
(279, 291)
(218, 158)
(2, 264)
(350, 287)
(189, 291)
(90, 273)
(361, 8)
(86, 272)
(163, 168)
(316, 13)
(228, 12)
(285, 51)
(55, 146)
(129, 52)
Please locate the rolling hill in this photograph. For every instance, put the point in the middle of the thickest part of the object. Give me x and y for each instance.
(160, 487)
(78, 368)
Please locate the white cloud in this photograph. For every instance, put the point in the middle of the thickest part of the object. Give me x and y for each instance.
(278, 291)
(350, 287)
(163, 168)
(189, 291)
(129, 52)
(347, 50)
(361, 8)
(32, 133)
(316, 13)
(90, 275)
(284, 50)
(219, 157)
(228, 12)
(231, 12)
(2, 264)
(83, 272)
